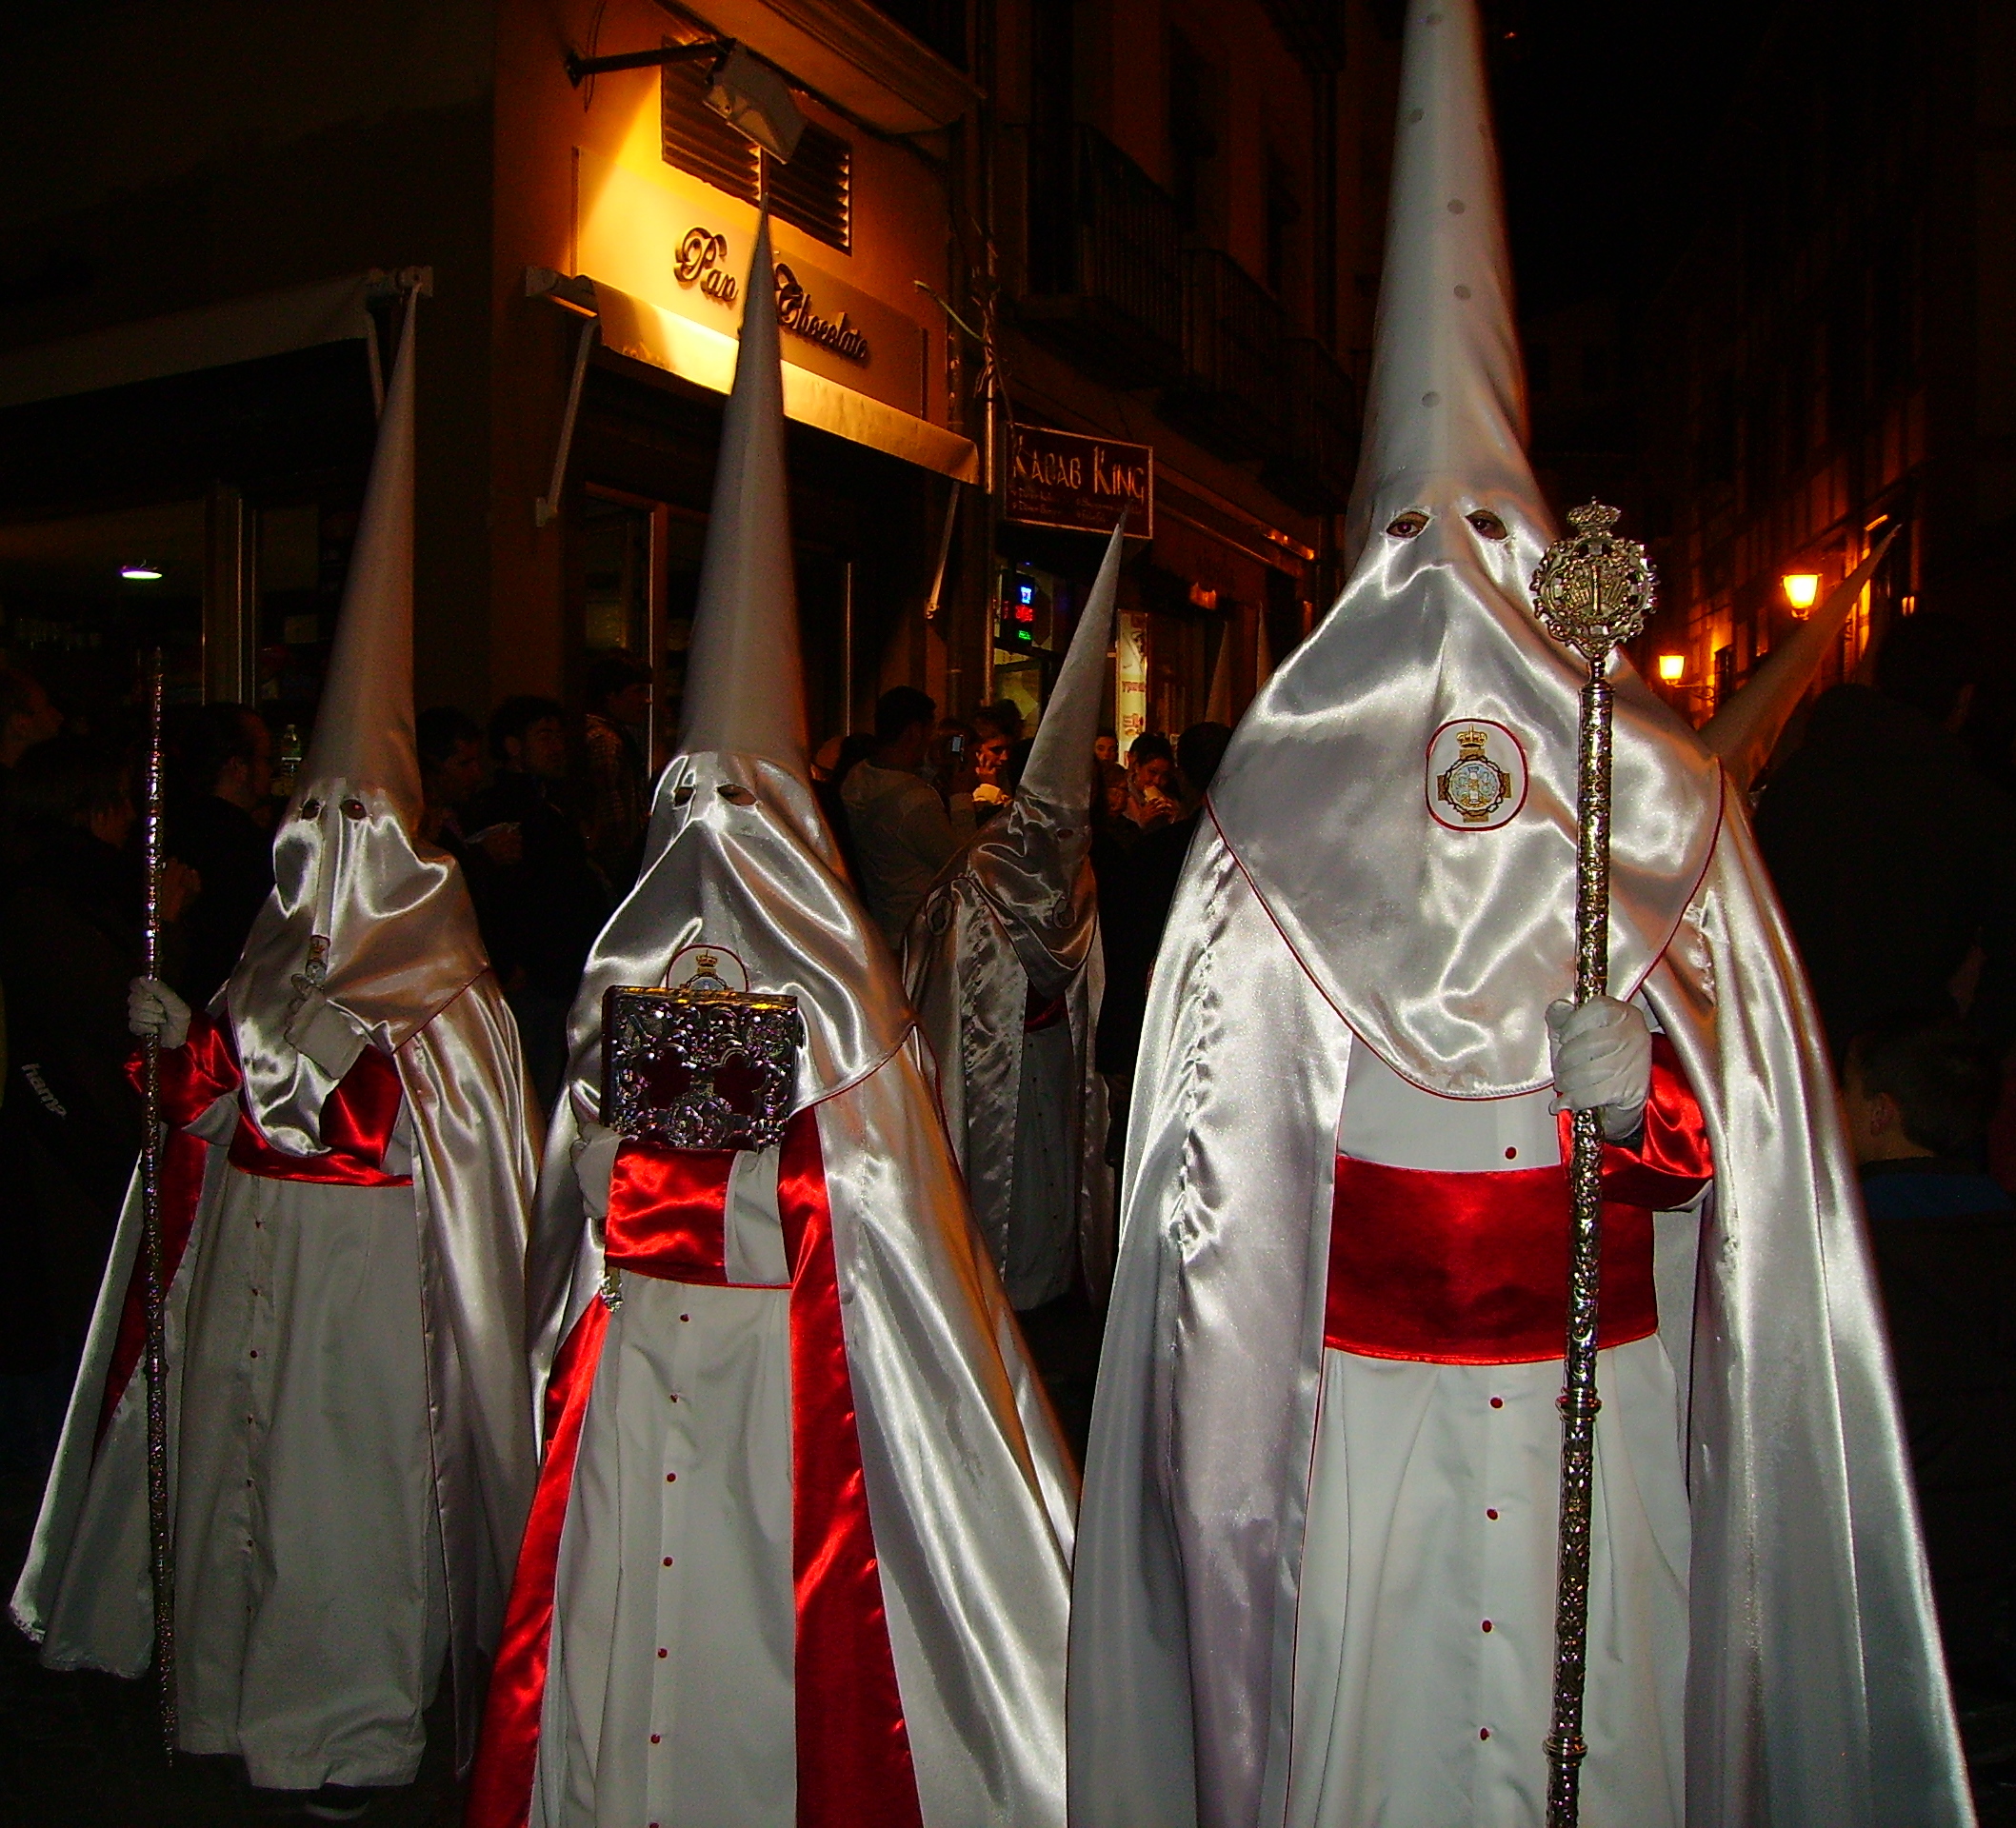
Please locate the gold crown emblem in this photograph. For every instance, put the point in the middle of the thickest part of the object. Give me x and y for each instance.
(706, 961)
(1472, 746)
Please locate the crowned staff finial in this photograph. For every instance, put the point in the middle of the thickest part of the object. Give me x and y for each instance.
(1593, 589)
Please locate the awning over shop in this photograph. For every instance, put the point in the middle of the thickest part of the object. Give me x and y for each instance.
(240, 329)
(646, 332)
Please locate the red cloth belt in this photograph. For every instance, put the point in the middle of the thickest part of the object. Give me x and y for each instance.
(1473, 1268)
(1038, 1015)
(358, 1120)
(667, 1220)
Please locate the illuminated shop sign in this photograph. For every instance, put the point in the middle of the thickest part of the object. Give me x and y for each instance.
(666, 237)
(701, 261)
(1060, 479)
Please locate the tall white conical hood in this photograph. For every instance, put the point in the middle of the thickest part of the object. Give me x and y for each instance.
(1058, 770)
(364, 728)
(738, 858)
(744, 688)
(1402, 794)
(369, 932)
(1447, 397)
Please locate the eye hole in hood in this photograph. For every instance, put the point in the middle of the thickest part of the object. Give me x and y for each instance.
(1406, 526)
(1487, 524)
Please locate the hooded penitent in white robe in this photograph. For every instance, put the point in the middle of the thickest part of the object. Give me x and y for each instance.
(1316, 1570)
(350, 1177)
(801, 1547)
(1004, 969)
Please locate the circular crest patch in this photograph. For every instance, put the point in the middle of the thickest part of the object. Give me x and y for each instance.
(1476, 775)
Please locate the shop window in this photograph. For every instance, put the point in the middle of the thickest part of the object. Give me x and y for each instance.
(814, 192)
(73, 616)
(635, 576)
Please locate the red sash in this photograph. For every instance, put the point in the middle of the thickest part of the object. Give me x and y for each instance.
(1473, 1268)
(667, 1220)
(357, 1120)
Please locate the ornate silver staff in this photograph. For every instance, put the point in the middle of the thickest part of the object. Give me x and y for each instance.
(160, 1524)
(1592, 591)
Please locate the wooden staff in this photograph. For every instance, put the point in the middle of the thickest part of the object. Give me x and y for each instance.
(160, 1522)
(1592, 591)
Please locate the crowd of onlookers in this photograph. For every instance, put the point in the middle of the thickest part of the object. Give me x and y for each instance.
(1891, 840)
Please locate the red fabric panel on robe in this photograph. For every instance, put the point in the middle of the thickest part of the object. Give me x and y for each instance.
(854, 1767)
(667, 1214)
(357, 1120)
(194, 1077)
(500, 1790)
(1473, 1268)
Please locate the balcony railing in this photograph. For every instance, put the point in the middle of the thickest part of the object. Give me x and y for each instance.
(1232, 395)
(1315, 464)
(1105, 279)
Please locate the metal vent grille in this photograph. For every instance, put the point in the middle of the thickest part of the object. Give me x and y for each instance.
(813, 192)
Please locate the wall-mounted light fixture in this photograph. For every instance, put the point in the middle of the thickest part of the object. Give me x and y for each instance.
(141, 573)
(747, 93)
(1802, 589)
(1672, 669)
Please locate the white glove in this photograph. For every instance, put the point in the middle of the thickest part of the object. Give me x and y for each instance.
(1602, 1062)
(594, 1163)
(152, 1009)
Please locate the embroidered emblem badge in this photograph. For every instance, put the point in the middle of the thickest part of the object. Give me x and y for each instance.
(1476, 775)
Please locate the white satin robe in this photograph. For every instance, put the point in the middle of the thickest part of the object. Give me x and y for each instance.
(1285, 1556)
(348, 1503)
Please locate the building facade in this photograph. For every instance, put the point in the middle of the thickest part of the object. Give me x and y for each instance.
(1152, 225)
(1826, 365)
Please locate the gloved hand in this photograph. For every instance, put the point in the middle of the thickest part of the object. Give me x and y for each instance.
(594, 1157)
(152, 1009)
(1602, 1062)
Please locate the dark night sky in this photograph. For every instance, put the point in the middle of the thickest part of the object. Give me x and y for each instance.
(1603, 113)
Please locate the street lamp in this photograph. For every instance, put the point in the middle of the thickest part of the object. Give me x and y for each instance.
(746, 92)
(1672, 669)
(1802, 589)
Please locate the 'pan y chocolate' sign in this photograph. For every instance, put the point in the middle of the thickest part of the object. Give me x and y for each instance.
(1059, 479)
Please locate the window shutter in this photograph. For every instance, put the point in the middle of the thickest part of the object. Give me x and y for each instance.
(813, 192)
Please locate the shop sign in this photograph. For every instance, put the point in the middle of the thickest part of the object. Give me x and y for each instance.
(701, 261)
(1060, 479)
(661, 235)
(1131, 677)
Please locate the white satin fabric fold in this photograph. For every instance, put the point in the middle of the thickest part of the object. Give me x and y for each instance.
(86, 1590)
(1814, 1689)
(1016, 915)
(402, 942)
(1426, 937)
(971, 1494)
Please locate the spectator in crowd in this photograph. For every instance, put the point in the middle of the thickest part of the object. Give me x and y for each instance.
(1105, 746)
(69, 1123)
(994, 736)
(27, 718)
(1151, 768)
(27, 715)
(548, 905)
(1134, 908)
(1894, 857)
(450, 747)
(619, 697)
(904, 834)
(1917, 1090)
(841, 755)
(220, 824)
